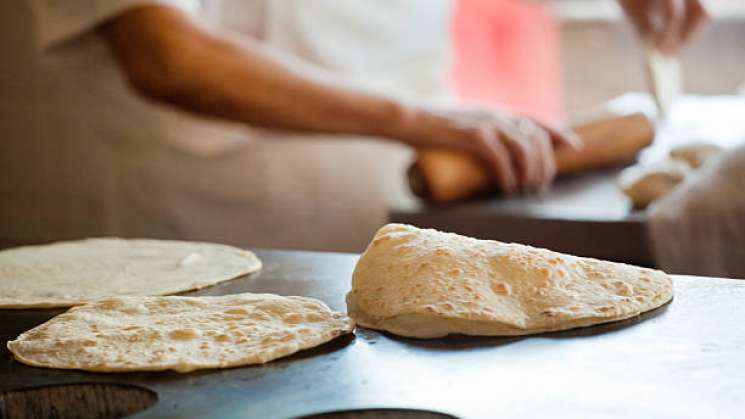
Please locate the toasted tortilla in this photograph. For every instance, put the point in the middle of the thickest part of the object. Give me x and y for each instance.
(426, 283)
(68, 273)
(183, 334)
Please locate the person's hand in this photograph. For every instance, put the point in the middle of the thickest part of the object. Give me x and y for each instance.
(518, 150)
(669, 24)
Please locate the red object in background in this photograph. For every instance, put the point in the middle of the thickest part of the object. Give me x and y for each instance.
(507, 55)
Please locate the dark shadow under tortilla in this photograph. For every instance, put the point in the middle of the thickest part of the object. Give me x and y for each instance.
(457, 341)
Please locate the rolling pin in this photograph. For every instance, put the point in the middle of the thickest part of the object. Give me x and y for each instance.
(446, 175)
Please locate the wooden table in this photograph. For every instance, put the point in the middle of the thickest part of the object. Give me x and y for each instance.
(684, 360)
(587, 214)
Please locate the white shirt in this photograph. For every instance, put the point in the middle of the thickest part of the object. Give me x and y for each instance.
(84, 155)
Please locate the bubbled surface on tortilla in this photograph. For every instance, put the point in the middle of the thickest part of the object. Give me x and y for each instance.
(123, 334)
(501, 288)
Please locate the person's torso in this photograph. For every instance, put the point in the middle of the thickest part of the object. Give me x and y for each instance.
(76, 136)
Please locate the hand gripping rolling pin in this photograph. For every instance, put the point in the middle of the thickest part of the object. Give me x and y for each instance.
(445, 175)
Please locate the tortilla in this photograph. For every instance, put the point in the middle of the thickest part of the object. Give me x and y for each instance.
(426, 284)
(696, 154)
(644, 184)
(75, 272)
(122, 334)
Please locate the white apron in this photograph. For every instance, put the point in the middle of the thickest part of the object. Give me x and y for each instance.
(84, 155)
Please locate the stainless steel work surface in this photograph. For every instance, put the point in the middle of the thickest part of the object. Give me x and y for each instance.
(684, 360)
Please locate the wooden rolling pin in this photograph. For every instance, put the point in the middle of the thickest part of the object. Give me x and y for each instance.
(445, 175)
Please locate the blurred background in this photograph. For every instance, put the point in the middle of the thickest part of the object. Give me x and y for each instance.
(308, 125)
(565, 57)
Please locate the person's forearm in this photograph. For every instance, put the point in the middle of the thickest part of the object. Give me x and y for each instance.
(241, 83)
(202, 73)
(168, 58)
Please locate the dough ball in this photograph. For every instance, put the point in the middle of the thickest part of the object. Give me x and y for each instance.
(696, 154)
(645, 183)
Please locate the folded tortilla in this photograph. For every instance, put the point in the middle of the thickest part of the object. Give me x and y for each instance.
(426, 283)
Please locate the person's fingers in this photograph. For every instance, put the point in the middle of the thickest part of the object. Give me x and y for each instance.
(562, 137)
(497, 157)
(668, 24)
(548, 166)
(667, 38)
(532, 135)
(694, 21)
(523, 156)
(519, 151)
(520, 158)
(635, 12)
